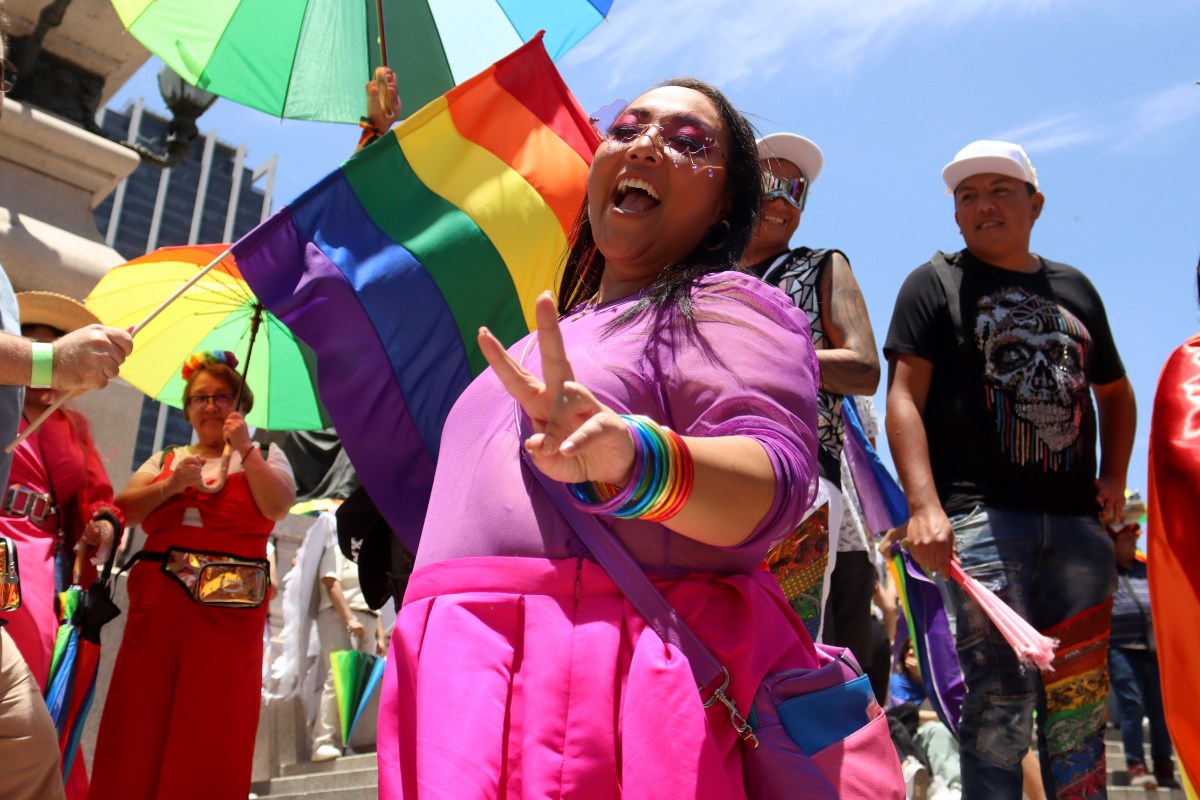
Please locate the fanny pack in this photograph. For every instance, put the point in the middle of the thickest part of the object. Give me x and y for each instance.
(215, 579)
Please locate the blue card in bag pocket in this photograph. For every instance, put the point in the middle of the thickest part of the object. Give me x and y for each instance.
(818, 719)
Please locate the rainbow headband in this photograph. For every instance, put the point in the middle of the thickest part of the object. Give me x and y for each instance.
(207, 358)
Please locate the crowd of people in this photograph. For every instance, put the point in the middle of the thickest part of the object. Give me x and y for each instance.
(685, 387)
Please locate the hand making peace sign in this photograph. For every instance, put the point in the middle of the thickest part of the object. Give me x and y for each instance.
(576, 437)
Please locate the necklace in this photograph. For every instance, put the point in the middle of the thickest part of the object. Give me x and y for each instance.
(588, 306)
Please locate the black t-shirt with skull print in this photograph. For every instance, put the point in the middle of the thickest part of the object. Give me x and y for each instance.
(1009, 417)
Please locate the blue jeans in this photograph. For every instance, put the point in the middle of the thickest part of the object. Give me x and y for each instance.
(1048, 568)
(1135, 683)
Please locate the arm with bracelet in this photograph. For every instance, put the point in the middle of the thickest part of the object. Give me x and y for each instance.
(720, 489)
(84, 359)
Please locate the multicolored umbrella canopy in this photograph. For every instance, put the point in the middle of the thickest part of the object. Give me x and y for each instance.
(215, 314)
(356, 675)
(305, 59)
(75, 661)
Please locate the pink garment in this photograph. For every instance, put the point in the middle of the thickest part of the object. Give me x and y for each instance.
(746, 368)
(521, 677)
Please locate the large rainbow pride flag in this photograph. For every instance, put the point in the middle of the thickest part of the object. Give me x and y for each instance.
(387, 267)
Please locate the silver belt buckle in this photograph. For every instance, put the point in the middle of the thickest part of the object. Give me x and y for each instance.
(22, 502)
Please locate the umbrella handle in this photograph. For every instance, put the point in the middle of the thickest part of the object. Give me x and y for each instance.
(80, 563)
(219, 484)
(37, 423)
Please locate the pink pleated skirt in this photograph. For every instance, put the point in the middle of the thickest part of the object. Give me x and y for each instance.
(533, 678)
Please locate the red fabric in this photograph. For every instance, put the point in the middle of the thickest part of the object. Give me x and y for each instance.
(62, 448)
(182, 709)
(521, 677)
(1173, 545)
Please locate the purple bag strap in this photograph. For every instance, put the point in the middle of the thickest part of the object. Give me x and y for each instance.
(643, 595)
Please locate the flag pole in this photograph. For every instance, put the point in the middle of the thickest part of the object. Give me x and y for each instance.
(37, 423)
(381, 82)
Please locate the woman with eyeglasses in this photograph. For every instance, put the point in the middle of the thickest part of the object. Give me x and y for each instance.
(192, 651)
(673, 397)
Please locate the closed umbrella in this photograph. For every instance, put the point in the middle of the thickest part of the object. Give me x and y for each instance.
(71, 685)
(356, 675)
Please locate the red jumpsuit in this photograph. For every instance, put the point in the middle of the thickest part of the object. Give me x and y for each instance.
(182, 709)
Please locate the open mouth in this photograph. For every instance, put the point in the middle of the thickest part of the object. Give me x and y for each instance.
(634, 195)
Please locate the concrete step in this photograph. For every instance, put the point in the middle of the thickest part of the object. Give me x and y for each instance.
(351, 777)
(325, 781)
(1130, 793)
(330, 794)
(348, 763)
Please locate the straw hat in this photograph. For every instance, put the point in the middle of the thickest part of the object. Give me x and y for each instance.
(56, 310)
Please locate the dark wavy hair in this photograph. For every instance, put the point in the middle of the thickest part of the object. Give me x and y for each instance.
(719, 249)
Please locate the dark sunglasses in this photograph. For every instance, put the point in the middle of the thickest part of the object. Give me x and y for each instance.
(794, 192)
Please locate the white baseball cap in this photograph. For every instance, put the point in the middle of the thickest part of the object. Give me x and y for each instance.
(1002, 158)
(801, 151)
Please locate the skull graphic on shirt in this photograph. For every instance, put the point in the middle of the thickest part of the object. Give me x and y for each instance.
(1036, 352)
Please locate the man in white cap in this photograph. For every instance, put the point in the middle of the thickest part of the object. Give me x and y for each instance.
(820, 282)
(994, 355)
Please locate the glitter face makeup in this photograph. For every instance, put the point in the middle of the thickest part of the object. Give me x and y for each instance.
(683, 138)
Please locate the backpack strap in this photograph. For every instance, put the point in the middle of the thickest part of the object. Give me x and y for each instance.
(941, 268)
(162, 456)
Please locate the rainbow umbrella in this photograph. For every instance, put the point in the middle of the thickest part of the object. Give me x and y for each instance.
(219, 312)
(309, 60)
(356, 675)
(75, 661)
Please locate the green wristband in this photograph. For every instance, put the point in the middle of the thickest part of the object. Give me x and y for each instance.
(42, 374)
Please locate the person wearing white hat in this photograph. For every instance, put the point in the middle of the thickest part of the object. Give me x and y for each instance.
(994, 356)
(821, 283)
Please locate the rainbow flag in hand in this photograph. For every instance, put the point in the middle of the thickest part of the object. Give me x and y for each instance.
(388, 266)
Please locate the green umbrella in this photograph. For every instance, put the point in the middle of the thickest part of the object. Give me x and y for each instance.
(309, 59)
(218, 312)
(356, 675)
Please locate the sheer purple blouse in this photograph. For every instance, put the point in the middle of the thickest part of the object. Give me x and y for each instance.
(747, 368)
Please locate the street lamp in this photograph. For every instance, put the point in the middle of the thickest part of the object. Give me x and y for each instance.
(186, 103)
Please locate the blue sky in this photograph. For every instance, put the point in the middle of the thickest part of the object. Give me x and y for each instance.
(1101, 93)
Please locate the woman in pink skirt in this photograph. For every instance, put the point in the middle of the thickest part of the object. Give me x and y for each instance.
(677, 396)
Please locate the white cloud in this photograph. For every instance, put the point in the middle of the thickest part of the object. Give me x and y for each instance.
(728, 41)
(1164, 110)
(1124, 124)
(1063, 130)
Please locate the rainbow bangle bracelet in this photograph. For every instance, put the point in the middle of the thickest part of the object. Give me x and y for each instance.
(660, 484)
